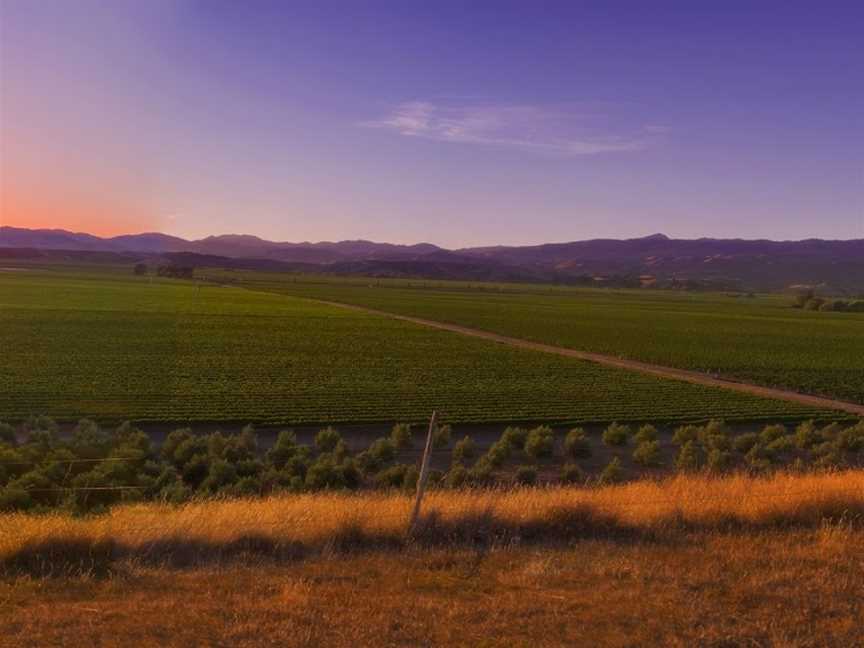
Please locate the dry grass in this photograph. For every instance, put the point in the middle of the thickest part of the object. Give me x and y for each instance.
(296, 526)
(684, 562)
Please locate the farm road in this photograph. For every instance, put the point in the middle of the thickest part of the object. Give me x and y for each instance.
(686, 375)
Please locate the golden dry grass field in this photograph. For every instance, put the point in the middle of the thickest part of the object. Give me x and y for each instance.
(735, 561)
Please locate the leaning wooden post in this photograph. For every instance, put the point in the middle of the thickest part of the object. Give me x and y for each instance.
(424, 474)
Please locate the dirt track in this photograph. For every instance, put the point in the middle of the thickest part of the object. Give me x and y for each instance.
(633, 365)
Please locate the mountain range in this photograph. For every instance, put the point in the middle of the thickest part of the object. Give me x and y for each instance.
(657, 260)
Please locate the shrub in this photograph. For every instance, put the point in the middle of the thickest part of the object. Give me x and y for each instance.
(831, 431)
(191, 447)
(772, 433)
(526, 475)
(392, 477)
(410, 479)
(382, 450)
(540, 442)
(324, 474)
(14, 499)
(173, 441)
(221, 474)
(571, 473)
(327, 439)
(616, 435)
(441, 437)
(645, 433)
(498, 453)
(759, 458)
(244, 487)
(718, 460)
(195, 470)
(481, 474)
(284, 448)
(851, 439)
(745, 442)
(685, 434)
(297, 466)
(781, 444)
(715, 435)
(515, 437)
(464, 449)
(612, 473)
(7, 433)
(647, 453)
(576, 444)
(689, 457)
(402, 437)
(807, 436)
(367, 463)
(456, 477)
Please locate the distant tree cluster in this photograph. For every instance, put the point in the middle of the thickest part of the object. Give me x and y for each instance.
(809, 301)
(176, 271)
(91, 469)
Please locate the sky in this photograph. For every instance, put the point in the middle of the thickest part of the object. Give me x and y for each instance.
(455, 123)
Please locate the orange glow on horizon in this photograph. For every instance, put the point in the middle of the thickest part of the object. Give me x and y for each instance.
(104, 217)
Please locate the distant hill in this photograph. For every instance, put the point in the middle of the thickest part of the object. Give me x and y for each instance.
(657, 260)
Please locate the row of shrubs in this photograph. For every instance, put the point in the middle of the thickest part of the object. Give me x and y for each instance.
(93, 468)
(809, 301)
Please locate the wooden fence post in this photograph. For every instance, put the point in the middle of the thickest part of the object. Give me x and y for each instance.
(424, 474)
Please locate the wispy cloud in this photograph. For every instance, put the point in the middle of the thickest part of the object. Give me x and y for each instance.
(529, 128)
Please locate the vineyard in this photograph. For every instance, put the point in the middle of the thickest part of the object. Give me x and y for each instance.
(113, 347)
(759, 339)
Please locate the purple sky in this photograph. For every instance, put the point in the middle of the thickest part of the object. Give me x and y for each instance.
(454, 123)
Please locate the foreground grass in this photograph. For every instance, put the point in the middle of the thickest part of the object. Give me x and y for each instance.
(777, 561)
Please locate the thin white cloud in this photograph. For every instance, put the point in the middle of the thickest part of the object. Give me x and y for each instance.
(529, 128)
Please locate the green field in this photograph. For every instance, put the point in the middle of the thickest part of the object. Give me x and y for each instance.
(112, 346)
(758, 339)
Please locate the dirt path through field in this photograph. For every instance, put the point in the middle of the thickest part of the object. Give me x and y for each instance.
(611, 361)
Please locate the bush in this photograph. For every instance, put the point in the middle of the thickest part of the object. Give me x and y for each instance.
(515, 437)
(402, 437)
(324, 474)
(807, 436)
(382, 451)
(745, 442)
(498, 453)
(772, 433)
(689, 457)
(195, 470)
(540, 442)
(851, 439)
(759, 458)
(456, 477)
(612, 473)
(526, 475)
(645, 433)
(7, 433)
(327, 439)
(221, 474)
(572, 474)
(576, 444)
(781, 444)
(718, 460)
(480, 474)
(441, 437)
(616, 435)
(647, 453)
(14, 499)
(392, 477)
(284, 448)
(410, 479)
(685, 434)
(464, 450)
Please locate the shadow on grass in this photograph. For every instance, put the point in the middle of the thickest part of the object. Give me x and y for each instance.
(61, 557)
